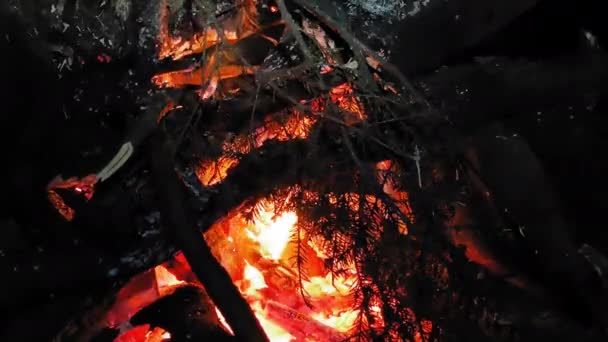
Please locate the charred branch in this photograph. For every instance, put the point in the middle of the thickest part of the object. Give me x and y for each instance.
(296, 162)
(187, 314)
(212, 275)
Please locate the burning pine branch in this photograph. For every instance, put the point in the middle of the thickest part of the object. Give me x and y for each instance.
(305, 157)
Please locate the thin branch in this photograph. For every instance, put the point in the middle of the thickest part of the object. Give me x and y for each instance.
(367, 81)
(295, 30)
(368, 177)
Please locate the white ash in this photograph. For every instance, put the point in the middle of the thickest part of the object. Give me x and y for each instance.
(591, 39)
(122, 8)
(393, 9)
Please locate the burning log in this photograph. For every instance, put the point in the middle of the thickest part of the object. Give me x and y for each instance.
(301, 325)
(211, 274)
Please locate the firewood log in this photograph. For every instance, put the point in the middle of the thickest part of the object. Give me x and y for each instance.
(187, 314)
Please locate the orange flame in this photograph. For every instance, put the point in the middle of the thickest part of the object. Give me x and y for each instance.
(269, 234)
(256, 253)
(273, 234)
(198, 77)
(240, 26)
(401, 198)
(211, 172)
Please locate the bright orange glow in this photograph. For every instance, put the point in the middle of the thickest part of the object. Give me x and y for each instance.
(82, 186)
(254, 278)
(273, 234)
(211, 172)
(343, 322)
(139, 292)
(223, 322)
(240, 26)
(273, 330)
(62, 208)
(218, 64)
(318, 287)
(343, 97)
(197, 77)
(165, 280)
(427, 326)
(142, 333)
(269, 234)
(401, 198)
(135, 334)
(422, 334)
(256, 253)
(168, 108)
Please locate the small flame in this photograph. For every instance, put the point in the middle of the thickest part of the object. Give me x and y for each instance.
(318, 287)
(254, 277)
(401, 198)
(274, 331)
(211, 172)
(242, 25)
(223, 321)
(273, 233)
(342, 322)
(165, 280)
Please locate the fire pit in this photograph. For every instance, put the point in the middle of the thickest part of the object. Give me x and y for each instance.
(304, 277)
(280, 180)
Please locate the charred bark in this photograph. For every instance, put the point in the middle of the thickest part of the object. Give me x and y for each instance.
(208, 270)
(187, 314)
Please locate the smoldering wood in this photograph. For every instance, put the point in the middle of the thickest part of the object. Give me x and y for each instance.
(208, 270)
(187, 313)
(269, 161)
(54, 274)
(236, 113)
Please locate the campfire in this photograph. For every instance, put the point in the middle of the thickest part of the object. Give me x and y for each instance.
(301, 252)
(263, 170)
(258, 257)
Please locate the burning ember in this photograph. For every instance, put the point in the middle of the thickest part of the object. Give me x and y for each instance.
(241, 26)
(144, 333)
(267, 278)
(83, 187)
(257, 255)
(297, 126)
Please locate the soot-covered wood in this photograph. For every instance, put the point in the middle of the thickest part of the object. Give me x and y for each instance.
(187, 314)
